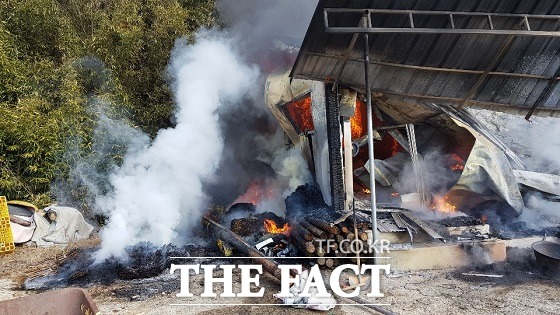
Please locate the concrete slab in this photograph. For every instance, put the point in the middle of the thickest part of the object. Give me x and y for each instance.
(445, 255)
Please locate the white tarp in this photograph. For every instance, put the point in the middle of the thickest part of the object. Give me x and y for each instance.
(488, 171)
(548, 183)
(22, 233)
(69, 226)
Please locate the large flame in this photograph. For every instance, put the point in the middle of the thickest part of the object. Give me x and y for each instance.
(270, 227)
(357, 122)
(442, 204)
(300, 113)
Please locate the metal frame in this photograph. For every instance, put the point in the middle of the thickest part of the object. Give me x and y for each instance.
(524, 19)
(522, 28)
(365, 27)
(369, 112)
(435, 69)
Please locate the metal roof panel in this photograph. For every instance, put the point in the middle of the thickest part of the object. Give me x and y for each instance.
(499, 71)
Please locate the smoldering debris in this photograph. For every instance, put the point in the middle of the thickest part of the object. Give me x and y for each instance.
(533, 221)
(520, 267)
(142, 289)
(219, 127)
(144, 261)
(304, 200)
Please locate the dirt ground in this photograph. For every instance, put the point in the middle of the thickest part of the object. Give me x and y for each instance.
(520, 290)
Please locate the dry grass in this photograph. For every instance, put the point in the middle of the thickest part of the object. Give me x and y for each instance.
(32, 262)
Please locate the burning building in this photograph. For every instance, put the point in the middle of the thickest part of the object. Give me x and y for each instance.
(375, 99)
(397, 78)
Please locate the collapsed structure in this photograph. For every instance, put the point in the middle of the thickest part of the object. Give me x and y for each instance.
(415, 67)
(384, 123)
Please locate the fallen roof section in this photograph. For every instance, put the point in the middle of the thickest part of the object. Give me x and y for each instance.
(496, 54)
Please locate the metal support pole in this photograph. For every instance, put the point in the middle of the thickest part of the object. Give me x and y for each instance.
(348, 173)
(370, 142)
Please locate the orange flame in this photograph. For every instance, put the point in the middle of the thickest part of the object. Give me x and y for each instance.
(459, 163)
(395, 194)
(367, 191)
(394, 147)
(442, 204)
(270, 227)
(457, 167)
(358, 122)
(256, 192)
(300, 112)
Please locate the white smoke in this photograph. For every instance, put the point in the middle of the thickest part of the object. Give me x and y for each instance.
(160, 188)
(290, 170)
(434, 168)
(533, 142)
(547, 153)
(214, 151)
(538, 147)
(540, 213)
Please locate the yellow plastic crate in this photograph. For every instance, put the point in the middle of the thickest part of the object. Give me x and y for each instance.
(6, 237)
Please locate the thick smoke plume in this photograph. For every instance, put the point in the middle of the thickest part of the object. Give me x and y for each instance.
(260, 22)
(252, 137)
(161, 187)
(224, 138)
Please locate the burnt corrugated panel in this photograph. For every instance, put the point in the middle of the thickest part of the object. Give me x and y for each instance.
(554, 99)
(400, 61)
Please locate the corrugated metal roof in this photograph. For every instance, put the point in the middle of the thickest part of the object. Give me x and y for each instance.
(446, 68)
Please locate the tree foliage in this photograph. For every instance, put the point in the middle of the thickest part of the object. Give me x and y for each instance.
(56, 55)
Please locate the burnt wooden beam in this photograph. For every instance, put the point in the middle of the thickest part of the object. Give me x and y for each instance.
(324, 225)
(226, 235)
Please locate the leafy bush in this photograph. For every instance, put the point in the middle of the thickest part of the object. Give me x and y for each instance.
(57, 56)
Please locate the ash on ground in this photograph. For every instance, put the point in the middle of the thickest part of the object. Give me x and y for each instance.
(144, 261)
(520, 267)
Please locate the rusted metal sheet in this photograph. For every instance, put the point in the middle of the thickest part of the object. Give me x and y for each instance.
(69, 301)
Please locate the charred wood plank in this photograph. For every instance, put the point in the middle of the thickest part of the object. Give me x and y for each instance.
(225, 234)
(314, 230)
(324, 225)
(269, 265)
(335, 148)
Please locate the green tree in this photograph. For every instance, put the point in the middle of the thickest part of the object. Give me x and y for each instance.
(56, 56)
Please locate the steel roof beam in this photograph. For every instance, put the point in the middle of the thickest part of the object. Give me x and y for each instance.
(456, 31)
(436, 69)
(412, 29)
(442, 13)
(460, 100)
